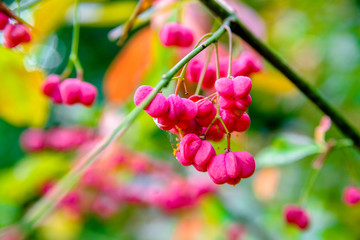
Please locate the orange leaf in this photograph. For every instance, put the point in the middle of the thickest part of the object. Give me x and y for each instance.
(129, 67)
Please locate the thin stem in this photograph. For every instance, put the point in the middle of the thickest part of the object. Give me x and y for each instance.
(217, 60)
(315, 170)
(203, 72)
(47, 204)
(219, 9)
(228, 29)
(73, 58)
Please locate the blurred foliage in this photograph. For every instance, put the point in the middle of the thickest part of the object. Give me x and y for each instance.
(320, 39)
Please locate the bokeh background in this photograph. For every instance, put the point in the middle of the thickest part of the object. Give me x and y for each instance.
(319, 39)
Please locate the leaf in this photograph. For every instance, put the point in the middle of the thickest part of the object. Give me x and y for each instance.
(287, 149)
(272, 82)
(129, 67)
(22, 103)
(21, 183)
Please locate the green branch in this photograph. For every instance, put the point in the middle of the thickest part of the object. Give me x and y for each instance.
(47, 204)
(223, 11)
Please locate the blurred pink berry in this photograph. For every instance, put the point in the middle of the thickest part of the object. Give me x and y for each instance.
(4, 20)
(105, 206)
(246, 64)
(70, 90)
(157, 107)
(51, 88)
(14, 34)
(175, 34)
(194, 151)
(351, 195)
(296, 215)
(33, 140)
(231, 167)
(88, 93)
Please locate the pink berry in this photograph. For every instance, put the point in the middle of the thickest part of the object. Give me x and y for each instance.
(214, 134)
(296, 215)
(351, 195)
(181, 108)
(231, 167)
(246, 64)
(14, 34)
(243, 123)
(175, 34)
(241, 86)
(225, 87)
(70, 90)
(238, 87)
(4, 20)
(88, 93)
(50, 87)
(33, 140)
(157, 107)
(193, 70)
(206, 110)
(194, 151)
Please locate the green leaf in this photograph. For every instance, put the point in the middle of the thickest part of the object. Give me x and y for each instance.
(286, 149)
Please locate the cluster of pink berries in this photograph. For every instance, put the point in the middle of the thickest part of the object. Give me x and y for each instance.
(69, 91)
(176, 34)
(297, 215)
(14, 34)
(196, 119)
(58, 139)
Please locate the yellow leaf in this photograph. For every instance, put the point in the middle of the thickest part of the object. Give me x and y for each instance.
(272, 82)
(48, 16)
(22, 103)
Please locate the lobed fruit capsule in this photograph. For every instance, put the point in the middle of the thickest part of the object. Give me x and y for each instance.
(176, 34)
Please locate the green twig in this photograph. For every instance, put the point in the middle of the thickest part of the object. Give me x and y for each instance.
(239, 29)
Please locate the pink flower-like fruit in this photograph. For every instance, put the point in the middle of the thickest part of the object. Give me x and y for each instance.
(296, 215)
(195, 151)
(175, 34)
(15, 34)
(231, 167)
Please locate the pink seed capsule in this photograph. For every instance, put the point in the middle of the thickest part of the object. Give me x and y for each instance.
(157, 107)
(4, 20)
(243, 123)
(14, 34)
(193, 70)
(241, 86)
(214, 134)
(246, 64)
(225, 87)
(50, 87)
(175, 34)
(32, 140)
(88, 93)
(194, 151)
(206, 110)
(296, 215)
(231, 167)
(351, 195)
(70, 90)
